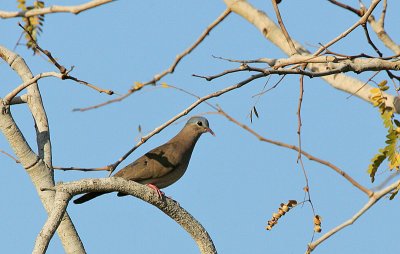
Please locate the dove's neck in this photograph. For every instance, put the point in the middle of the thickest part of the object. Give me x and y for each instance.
(187, 138)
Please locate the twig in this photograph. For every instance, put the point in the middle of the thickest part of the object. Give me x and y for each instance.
(81, 169)
(372, 200)
(120, 98)
(295, 148)
(361, 87)
(98, 89)
(283, 28)
(390, 74)
(54, 9)
(18, 89)
(362, 20)
(347, 7)
(62, 69)
(171, 69)
(10, 96)
(113, 166)
(269, 89)
(9, 155)
(364, 26)
(386, 181)
(354, 65)
(179, 57)
(299, 157)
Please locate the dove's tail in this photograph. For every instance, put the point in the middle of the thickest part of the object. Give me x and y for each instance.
(88, 196)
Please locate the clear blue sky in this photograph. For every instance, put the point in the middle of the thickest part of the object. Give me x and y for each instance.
(234, 182)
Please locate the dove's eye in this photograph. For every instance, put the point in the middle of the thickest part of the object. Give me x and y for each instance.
(199, 123)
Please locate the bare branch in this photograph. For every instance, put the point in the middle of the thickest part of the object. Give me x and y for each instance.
(53, 221)
(171, 69)
(377, 26)
(82, 169)
(359, 12)
(10, 156)
(362, 20)
(65, 191)
(62, 69)
(372, 200)
(76, 9)
(272, 32)
(113, 166)
(284, 31)
(37, 166)
(357, 65)
(297, 149)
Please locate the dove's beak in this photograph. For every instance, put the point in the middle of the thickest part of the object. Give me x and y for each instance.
(210, 131)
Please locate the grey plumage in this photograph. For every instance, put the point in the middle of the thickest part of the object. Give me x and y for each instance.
(165, 164)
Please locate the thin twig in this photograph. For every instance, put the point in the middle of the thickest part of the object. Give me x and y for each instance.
(359, 12)
(283, 28)
(361, 87)
(186, 52)
(81, 169)
(354, 65)
(113, 166)
(269, 89)
(375, 197)
(62, 69)
(18, 89)
(386, 181)
(9, 155)
(295, 148)
(54, 9)
(171, 69)
(362, 20)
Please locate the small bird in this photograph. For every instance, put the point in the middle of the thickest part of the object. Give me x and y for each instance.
(164, 165)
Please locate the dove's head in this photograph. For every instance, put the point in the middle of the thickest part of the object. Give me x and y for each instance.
(200, 124)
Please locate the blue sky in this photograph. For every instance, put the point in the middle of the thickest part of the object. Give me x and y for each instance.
(234, 182)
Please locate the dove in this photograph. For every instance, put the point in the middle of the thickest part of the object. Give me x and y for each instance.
(164, 165)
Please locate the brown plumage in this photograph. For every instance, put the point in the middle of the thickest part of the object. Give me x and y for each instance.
(164, 165)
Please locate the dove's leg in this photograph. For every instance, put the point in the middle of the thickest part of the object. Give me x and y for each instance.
(159, 192)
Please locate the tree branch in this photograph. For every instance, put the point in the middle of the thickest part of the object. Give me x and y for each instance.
(37, 166)
(272, 32)
(297, 149)
(171, 69)
(372, 200)
(65, 191)
(76, 9)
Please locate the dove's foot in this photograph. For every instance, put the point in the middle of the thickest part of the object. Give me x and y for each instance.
(159, 192)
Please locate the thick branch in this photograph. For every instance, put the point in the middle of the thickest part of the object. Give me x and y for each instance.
(38, 167)
(272, 32)
(166, 205)
(53, 221)
(35, 104)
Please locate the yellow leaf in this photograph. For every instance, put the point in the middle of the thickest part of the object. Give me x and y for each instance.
(138, 85)
(165, 85)
(395, 163)
(375, 90)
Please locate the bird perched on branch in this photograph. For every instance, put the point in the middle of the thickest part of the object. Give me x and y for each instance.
(164, 165)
